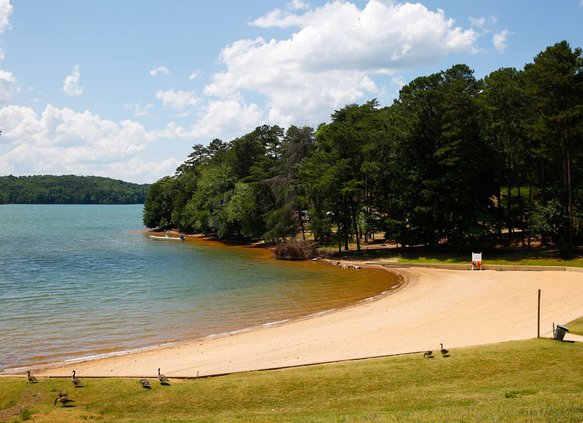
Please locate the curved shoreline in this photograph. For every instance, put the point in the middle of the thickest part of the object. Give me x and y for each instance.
(430, 306)
(48, 366)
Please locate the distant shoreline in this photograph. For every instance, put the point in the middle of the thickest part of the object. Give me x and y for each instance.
(70, 189)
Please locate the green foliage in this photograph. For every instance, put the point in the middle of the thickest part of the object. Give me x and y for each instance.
(69, 189)
(452, 160)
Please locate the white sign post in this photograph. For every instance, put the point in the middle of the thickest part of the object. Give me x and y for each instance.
(476, 261)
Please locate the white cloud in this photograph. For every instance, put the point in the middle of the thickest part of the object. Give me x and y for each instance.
(137, 109)
(61, 141)
(177, 100)
(159, 70)
(482, 21)
(5, 12)
(8, 86)
(499, 40)
(478, 22)
(71, 86)
(231, 116)
(300, 5)
(194, 75)
(334, 55)
(2, 54)
(225, 118)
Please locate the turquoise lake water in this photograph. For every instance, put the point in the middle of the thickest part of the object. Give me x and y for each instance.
(79, 281)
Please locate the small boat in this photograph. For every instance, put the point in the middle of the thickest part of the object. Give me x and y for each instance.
(167, 237)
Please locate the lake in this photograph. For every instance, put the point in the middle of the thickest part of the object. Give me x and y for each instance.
(82, 281)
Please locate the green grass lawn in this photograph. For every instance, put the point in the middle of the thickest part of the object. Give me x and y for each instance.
(508, 256)
(525, 381)
(576, 326)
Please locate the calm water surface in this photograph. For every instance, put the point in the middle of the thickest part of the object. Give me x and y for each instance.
(80, 281)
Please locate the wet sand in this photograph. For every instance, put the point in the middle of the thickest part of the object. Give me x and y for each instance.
(433, 306)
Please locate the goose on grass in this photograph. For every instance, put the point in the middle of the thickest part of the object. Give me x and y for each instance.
(443, 351)
(31, 378)
(163, 379)
(76, 381)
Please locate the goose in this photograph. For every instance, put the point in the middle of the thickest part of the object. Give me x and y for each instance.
(163, 379)
(443, 351)
(31, 378)
(428, 354)
(65, 400)
(63, 394)
(76, 381)
(145, 383)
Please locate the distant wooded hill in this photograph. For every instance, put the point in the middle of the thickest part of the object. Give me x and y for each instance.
(69, 189)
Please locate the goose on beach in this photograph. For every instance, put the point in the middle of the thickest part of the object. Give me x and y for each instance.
(163, 379)
(428, 354)
(31, 378)
(443, 351)
(76, 381)
(145, 383)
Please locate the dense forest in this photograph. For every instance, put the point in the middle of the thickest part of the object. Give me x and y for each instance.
(452, 160)
(69, 189)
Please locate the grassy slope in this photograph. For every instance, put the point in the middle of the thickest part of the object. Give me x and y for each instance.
(576, 326)
(534, 381)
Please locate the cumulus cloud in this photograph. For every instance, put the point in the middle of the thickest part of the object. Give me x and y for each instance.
(499, 40)
(71, 85)
(159, 70)
(8, 86)
(334, 55)
(177, 100)
(5, 12)
(64, 141)
(226, 118)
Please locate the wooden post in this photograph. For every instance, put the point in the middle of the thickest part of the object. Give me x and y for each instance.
(538, 317)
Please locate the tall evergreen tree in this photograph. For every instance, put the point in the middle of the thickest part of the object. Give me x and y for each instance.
(555, 88)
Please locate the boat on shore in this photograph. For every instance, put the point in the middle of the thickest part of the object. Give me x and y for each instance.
(167, 237)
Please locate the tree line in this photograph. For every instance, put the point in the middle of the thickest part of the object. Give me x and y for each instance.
(453, 159)
(69, 189)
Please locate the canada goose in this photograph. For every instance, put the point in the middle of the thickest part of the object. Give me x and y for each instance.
(76, 381)
(65, 400)
(31, 378)
(443, 351)
(163, 379)
(428, 354)
(63, 394)
(145, 383)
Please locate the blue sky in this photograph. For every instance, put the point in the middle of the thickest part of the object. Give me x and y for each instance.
(124, 89)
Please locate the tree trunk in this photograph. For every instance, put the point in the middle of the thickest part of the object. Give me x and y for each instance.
(569, 182)
(509, 223)
(521, 214)
(355, 223)
(301, 224)
(529, 202)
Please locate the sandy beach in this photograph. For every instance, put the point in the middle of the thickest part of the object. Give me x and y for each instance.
(433, 306)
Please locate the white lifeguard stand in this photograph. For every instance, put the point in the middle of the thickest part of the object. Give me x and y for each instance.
(476, 261)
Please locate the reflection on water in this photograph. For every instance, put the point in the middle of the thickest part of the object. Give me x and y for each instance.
(86, 280)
